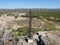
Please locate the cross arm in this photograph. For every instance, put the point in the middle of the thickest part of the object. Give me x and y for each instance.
(28, 16)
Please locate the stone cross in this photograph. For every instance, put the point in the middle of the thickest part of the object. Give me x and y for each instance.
(30, 22)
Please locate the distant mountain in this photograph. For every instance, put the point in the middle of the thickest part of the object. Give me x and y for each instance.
(26, 10)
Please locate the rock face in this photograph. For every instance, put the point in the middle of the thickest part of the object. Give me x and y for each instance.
(49, 38)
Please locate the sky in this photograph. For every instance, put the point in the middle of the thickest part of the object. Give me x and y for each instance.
(14, 4)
